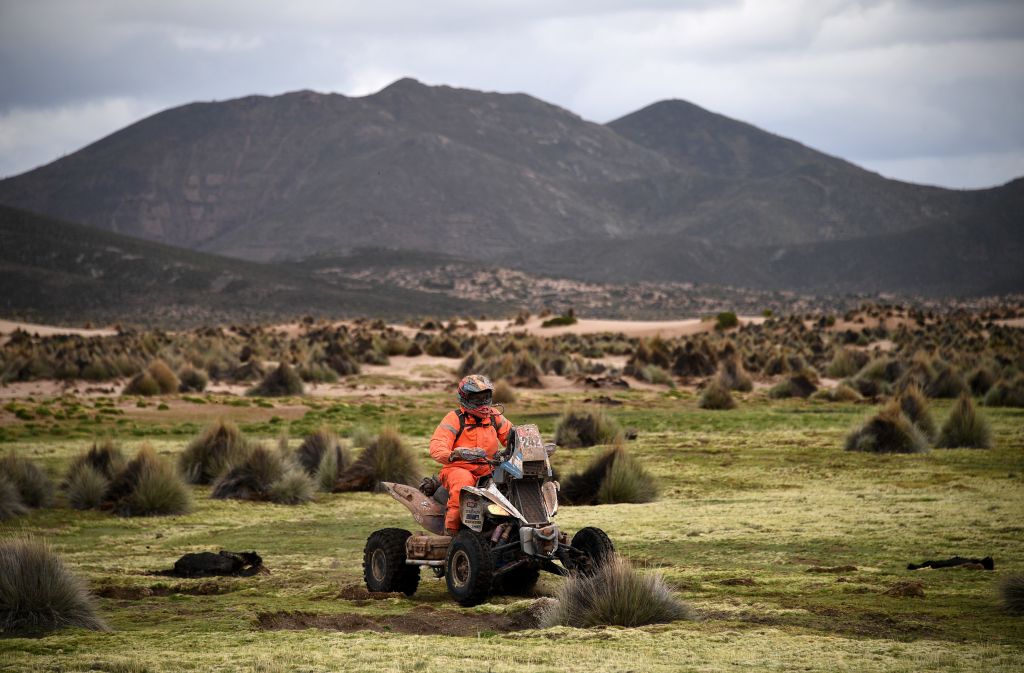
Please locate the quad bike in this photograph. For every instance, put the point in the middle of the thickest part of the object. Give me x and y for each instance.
(506, 536)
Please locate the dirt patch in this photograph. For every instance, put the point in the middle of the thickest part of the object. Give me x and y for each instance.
(738, 582)
(906, 590)
(422, 620)
(356, 592)
(122, 592)
(832, 569)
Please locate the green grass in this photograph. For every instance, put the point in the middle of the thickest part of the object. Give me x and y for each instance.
(762, 493)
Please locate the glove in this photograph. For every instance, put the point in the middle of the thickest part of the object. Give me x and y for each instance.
(466, 454)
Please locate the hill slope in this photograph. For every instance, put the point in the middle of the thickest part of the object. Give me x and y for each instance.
(497, 176)
(52, 271)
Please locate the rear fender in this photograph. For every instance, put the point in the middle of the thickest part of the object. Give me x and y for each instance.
(427, 511)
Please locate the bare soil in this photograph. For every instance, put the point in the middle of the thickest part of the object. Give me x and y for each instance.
(421, 620)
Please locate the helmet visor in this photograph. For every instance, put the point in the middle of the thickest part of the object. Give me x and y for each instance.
(478, 399)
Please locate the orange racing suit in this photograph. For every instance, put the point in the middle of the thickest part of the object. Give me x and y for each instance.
(484, 433)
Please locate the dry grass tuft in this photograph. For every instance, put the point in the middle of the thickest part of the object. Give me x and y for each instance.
(914, 405)
(216, 450)
(10, 500)
(616, 595)
(386, 458)
(265, 475)
(890, 431)
(1011, 593)
(716, 396)
(281, 382)
(148, 485)
(34, 487)
(37, 591)
(965, 427)
(584, 427)
(613, 477)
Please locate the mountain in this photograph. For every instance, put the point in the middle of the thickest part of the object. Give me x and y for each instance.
(671, 191)
(58, 271)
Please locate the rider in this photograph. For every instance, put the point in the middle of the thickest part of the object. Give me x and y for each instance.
(474, 425)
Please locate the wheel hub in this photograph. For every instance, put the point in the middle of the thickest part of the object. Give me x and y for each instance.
(460, 568)
(378, 565)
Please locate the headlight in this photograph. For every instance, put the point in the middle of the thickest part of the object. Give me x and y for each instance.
(497, 510)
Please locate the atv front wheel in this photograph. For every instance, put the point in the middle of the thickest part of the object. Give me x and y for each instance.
(469, 568)
(596, 546)
(384, 567)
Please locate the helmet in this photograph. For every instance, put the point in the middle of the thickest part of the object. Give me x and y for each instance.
(476, 392)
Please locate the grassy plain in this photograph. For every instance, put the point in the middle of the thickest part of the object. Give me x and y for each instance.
(751, 499)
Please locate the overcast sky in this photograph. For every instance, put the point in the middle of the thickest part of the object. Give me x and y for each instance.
(928, 91)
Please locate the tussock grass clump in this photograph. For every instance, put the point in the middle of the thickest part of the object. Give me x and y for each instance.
(716, 395)
(148, 485)
(1011, 593)
(844, 392)
(845, 362)
(947, 381)
(323, 456)
(965, 427)
(192, 380)
(315, 446)
(38, 592)
(732, 375)
(34, 487)
(218, 448)
(85, 487)
(281, 382)
(104, 457)
(156, 379)
(914, 405)
(613, 477)
(504, 393)
(10, 500)
(1006, 393)
(265, 475)
(386, 458)
(798, 385)
(889, 431)
(585, 427)
(616, 595)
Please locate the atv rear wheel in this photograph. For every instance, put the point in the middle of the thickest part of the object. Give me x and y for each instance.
(596, 546)
(384, 567)
(469, 568)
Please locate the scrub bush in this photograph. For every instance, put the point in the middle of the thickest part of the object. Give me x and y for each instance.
(616, 595)
(964, 427)
(38, 592)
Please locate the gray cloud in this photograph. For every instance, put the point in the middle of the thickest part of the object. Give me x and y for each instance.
(923, 90)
